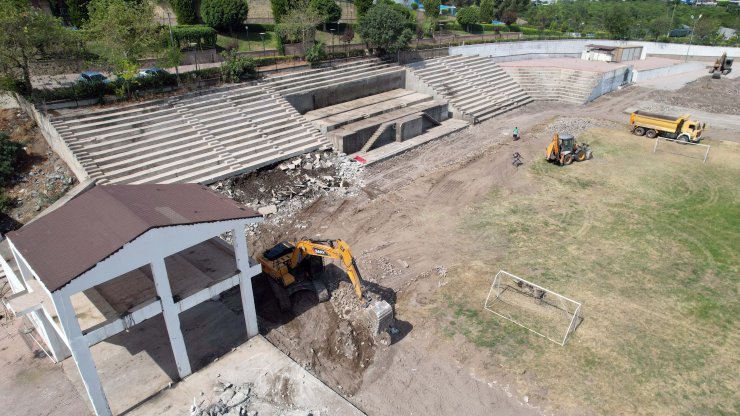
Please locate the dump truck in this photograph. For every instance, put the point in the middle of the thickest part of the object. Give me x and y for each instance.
(680, 128)
(722, 66)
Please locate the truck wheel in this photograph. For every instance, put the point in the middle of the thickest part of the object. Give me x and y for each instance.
(651, 134)
(640, 131)
(684, 138)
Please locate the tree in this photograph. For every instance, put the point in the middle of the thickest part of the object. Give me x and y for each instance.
(224, 14)
(77, 12)
(363, 6)
(431, 7)
(468, 16)
(329, 10)
(279, 9)
(509, 17)
(617, 21)
(124, 32)
(26, 35)
(705, 27)
(299, 23)
(487, 11)
(184, 11)
(384, 29)
(660, 26)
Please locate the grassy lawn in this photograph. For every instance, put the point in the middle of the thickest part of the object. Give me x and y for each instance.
(253, 43)
(649, 243)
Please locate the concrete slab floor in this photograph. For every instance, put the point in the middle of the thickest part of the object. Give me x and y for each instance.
(137, 364)
(31, 384)
(259, 362)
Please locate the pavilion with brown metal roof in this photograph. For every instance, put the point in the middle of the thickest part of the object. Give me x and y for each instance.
(117, 255)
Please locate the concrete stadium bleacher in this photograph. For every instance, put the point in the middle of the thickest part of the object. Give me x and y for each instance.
(555, 84)
(476, 88)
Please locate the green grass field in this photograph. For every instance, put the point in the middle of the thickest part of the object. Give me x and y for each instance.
(650, 244)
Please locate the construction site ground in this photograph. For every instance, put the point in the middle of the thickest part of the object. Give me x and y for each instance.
(647, 241)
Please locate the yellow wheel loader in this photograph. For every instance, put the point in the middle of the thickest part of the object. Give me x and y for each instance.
(563, 150)
(293, 267)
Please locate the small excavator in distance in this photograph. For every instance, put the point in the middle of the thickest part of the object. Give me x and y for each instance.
(564, 150)
(293, 267)
(722, 66)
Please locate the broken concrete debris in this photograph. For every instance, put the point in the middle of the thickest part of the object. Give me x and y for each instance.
(281, 191)
(242, 400)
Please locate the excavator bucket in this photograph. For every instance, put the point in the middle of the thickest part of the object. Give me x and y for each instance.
(381, 316)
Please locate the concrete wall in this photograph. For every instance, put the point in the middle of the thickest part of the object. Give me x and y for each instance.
(559, 48)
(346, 91)
(413, 82)
(55, 141)
(645, 75)
(611, 81)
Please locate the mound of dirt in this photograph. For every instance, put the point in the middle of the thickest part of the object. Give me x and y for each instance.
(713, 95)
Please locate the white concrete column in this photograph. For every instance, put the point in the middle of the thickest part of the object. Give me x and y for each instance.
(55, 343)
(26, 272)
(16, 283)
(171, 317)
(245, 280)
(81, 354)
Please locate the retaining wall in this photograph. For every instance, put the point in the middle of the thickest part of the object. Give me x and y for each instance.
(55, 141)
(611, 81)
(559, 48)
(647, 74)
(347, 91)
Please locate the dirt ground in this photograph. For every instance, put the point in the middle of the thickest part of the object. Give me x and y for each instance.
(402, 221)
(401, 227)
(41, 176)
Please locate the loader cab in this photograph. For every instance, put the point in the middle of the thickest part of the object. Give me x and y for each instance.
(567, 142)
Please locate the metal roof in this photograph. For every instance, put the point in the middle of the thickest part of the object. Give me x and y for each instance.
(91, 227)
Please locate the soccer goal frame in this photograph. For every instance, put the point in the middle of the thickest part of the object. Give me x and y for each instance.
(566, 304)
(706, 153)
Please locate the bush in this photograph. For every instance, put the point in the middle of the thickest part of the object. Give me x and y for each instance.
(238, 68)
(185, 34)
(184, 11)
(224, 14)
(315, 53)
(272, 60)
(201, 74)
(10, 152)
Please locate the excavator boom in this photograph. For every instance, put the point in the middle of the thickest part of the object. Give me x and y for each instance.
(334, 249)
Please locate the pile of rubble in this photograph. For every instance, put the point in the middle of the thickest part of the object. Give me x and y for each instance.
(240, 400)
(575, 126)
(280, 191)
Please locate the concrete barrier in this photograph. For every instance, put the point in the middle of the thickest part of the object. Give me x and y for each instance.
(647, 74)
(550, 48)
(55, 141)
(610, 81)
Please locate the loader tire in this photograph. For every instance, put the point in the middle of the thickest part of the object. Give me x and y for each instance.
(651, 134)
(567, 159)
(581, 155)
(640, 131)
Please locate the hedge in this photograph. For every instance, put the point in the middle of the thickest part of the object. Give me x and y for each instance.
(271, 60)
(86, 90)
(186, 34)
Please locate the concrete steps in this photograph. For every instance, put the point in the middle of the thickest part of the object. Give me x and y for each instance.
(476, 88)
(555, 84)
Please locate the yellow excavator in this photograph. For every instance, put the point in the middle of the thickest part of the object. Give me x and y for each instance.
(564, 150)
(293, 267)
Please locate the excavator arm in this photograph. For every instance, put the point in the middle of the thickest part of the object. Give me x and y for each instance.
(334, 249)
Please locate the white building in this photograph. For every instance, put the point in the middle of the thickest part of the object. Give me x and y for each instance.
(118, 255)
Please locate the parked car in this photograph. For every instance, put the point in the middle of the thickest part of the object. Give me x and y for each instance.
(93, 76)
(150, 72)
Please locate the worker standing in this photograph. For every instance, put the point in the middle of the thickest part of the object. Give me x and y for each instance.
(516, 133)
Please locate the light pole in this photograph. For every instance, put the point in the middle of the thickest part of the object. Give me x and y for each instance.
(691, 39)
(332, 42)
(172, 45)
(247, 29)
(672, 14)
(262, 36)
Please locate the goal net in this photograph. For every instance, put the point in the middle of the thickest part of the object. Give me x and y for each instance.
(533, 307)
(686, 149)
